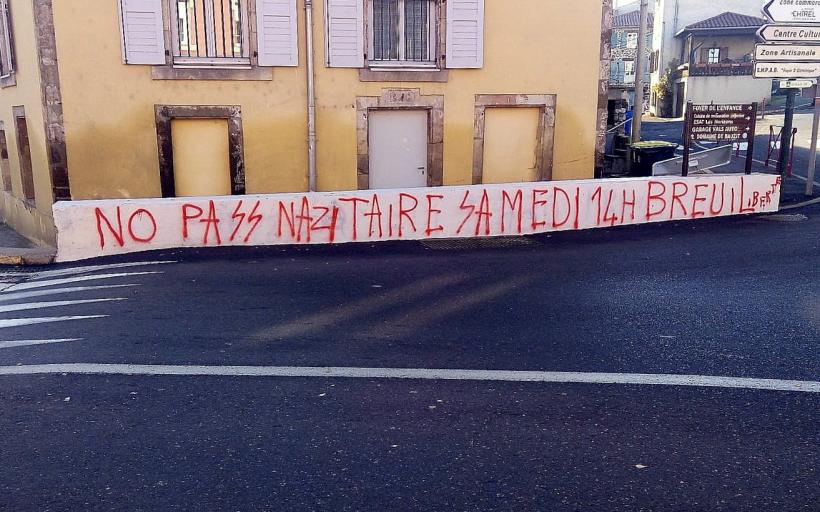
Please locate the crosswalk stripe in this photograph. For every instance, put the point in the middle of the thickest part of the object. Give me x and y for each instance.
(80, 270)
(5, 297)
(28, 343)
(20, 322)
(37, 305)
(77, 279)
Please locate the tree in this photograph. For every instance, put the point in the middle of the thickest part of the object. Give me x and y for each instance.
(664, 90)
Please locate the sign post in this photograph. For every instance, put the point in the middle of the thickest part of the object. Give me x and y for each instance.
(791, 53)
(786, 139)
(720, 123)
(687, 139)
(813, 147)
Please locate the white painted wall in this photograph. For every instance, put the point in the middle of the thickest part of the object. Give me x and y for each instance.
(727, 89)
(88, 229)
(673, 15)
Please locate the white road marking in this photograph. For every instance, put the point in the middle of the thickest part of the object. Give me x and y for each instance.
(79, 279)
(28, 343)
(37, 305)
(4, 297)
(81, 270)
(19, 322)
(639, 379)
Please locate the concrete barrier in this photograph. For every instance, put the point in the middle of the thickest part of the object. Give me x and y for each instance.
(88, 229)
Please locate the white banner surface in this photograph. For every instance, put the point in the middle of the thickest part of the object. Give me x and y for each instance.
(88, 229)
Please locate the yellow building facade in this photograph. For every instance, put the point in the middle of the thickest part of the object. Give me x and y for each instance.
(162, 98)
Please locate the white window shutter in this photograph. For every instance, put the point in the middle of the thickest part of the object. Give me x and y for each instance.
(345, 33)
(143, 37)
(465, 33)
(278, 39)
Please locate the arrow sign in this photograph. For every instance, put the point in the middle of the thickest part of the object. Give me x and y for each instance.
(796, 84)
(786, 70)
(787, 11)
(787, 52)
(789, 33)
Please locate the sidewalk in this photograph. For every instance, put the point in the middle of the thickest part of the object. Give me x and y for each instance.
(16, 250)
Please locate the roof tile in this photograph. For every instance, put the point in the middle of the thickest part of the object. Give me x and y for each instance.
(631, 19)
(727, 20)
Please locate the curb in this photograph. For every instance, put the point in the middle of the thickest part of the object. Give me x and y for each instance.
(17, 256)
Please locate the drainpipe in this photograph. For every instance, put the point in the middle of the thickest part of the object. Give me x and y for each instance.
(311, 98)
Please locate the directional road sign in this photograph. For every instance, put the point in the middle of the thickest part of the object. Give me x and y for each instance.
(790, 33)
(793, 11)
(796, 84)
(786, 70)
(721, 122)
(787, 52)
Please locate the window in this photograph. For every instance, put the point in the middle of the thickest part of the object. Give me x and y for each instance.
(713, 56)
(211, 38)
(403, 32)
(210, 32)
(6, 41)
(397, 37)
(632, 40)
(24, 153)
(629, 71)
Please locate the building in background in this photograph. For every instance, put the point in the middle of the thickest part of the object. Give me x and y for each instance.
(624, 55)
(105, 99)
(717, 62)
(672, 17)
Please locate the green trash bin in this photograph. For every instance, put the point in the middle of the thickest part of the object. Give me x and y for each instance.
(646, 153)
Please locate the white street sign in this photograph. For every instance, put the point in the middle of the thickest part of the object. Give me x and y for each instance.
(793, 11)
(786, 70)
(787, 52)
(790, 33)
(796, 84)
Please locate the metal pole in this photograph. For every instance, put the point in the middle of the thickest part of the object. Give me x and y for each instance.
(750, 142)
(687, 139)
(640, 69)
(813, 147)
(786, 140)
(311, 98)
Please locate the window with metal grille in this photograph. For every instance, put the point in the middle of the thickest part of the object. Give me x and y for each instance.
(210, 32)
(714, 56)
(403, 32)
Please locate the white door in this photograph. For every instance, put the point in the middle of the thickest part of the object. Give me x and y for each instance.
(398, 148)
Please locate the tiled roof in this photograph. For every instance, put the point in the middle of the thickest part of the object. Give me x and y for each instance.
(726, 20)
(631, 19)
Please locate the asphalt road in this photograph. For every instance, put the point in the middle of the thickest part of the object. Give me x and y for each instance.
(736, 298)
